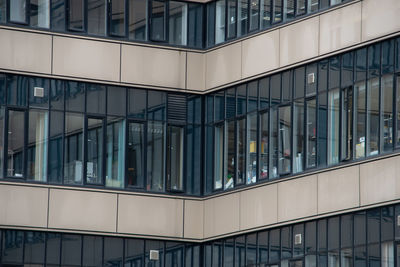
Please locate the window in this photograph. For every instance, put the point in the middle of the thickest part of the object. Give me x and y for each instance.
(117, 21)
(94, 153)
(15, 145)
(73, 148)
(97, 13)
(360, 98)
(157, 20)
(373, 116)
(137, 20)
(322, 129)
(40, 13)
(254, 15)
(278, 8)
(298, 136)
(71, 250)
(243, 17)
(241, 143)
(232, 11)
(211, 23)
(220, 22)
(195, 25)
(218, 155)
(137, 103)
(2, 119)
(264, 128)
(95, 99)
(311, 134)
(301, 7)
(92, 250)
(56, 147)
(194, 157)
(115, 149)
(76, 15)
(265, 13)
(155, 155)
(57, 15)
(284, 145)
(175, 157)
(135, 154)
(3, 11)
(251, 148)
(347, 124)
(18, 10)
(273, 145)
(231, 156)
(178, 23)
(289, 11)
(398, 109)
(333, 126)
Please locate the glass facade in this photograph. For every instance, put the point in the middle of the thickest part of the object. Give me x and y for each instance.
(168, 22)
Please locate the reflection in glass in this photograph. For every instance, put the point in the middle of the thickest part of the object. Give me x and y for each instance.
(73, 148)
(12, 248)
(218, 155)
(15, 148)
(92, 250)
(94, 139)
(195, 25)
(231, 156)
(289, 9)
(254, 15)
(3, 11)
(220, 22)
(373, 117)
(277, 11)
(211, 23)
(241, 143)
(155, 156)
(347, 124)
(113, 251)
(1, 141)
(97, 12)
(71, 252)
(177, 23)
(333, 126)
(57, 15)
(175, 157)
(298, 136)
(285, 126)
(311, 134)
(360, 98)
(135, 154)
(264, 123)
(157, 21)
(37, 145)
(232, 12)
(387, 113)
(193, 157)
(242, 17)
(387, 254)
(40, 13)
(265, 12)
(117, 23)
(76, 15)
(56, 146)
(137, 20)
(34, 248)
(251, 148)
(115, 143)
(18, 11)
(273, 145)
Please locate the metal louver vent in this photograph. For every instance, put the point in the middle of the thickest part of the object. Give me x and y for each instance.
(176, 107)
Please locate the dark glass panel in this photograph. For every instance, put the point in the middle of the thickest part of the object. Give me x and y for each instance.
(361, 64)
(97, 13)
(154, 245)
(334, 72)
(94, 151)
(397, 107)
(286, 242)
(155, 156)
(175, 157)
(209, 152)
(137, 103)
(311, 79)
(232, 17)
(75, 96)
(360, 103)
(324, 4)
(243, 19)
(71, 250)
(17, 11)
(346, 231)
(2, 125)
(230, 103)
(301, 7)
(265, 12)
(240, 251)
(3, 78)
(177, 23)
(346, 123)
(17, 90)
(310, 239)
(287, 85)
(275, 89)
(386, 118)
(58, 15)
(193, 156)
(53, 248)
(299, 75)
(95, 99)
(298, 240)
(254, 15)
(278, 8)
(360, 257)
(241, 93)
(274, 245)
(113, 251)
(174, 254)
(92, 253)
(264, 93)
(359, 228)
(208, 254)
(388, 57)
(347, 69)
(211, 24)
(36, 99)
(323, 259)
(12, 248)
(217, 255)
(284, 145)
(137, 20)
(241, 147)
(397, 54)
(374, 257)
(220, 21)
(251, 155)
(3, 16)
(15, 146)
(117, 20)
(57, 94)
(322, 129)
(73, 148)
(156, 103)
(194, 111)
(263, 247)
(289, 11)
(218, 155)
(195, 25)
(311, 133)
(373, 225)
(397, 227)
(322, 75)
(333, 233)
(310, 261)
(273, 144)
(229, 247)
(374, 60)
(209, 108)
(264, 129)
(76, 15)
(298, 136)
(230, 165)
(346, 257)
(373, 116)
(322, 234)
(252, 92)
(387, 223)
(134, 252)
(116, 101)
(135, 154)
(251, 249)
(157, 20)
(115, 152)
(219, 106)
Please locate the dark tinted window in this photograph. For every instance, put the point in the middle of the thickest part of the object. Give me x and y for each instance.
(95, 99)
(75, 96)
(71, 250)
(116, 101)
(137, 103)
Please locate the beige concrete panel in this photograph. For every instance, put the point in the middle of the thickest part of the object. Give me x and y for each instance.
(340, 28)
(86, 59)
(23, 206)
(223, 65)
(82, 210)
(379, 17)
(380, 181)
(196, 71)
(221, 215)
(297, 198)
(258, 206)
(338, 189)
(25, 51)
(194, 219)
(260, 54)
(299, 41)
(153, 66)
(150, 216)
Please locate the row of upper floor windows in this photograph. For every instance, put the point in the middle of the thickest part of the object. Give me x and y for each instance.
(177, 23)
(336, 110)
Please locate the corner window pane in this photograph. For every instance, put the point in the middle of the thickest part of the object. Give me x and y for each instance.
(284, 147)
(387, 113)
(175, 157)
(265, 13)
(218, 155)
(157, 21)
(135, 154)
(242, 17)
(177, 23)
(333, 126)
(57, 15)
(264, 129)
(373, 117)
(155, 156)
(137, 20)
(241, 143)
(15, 147)
(76, 15)
(251, 148)
(73, 148)
(56, 147)
(71, 250)
(298, 136)
(40, 13)
(210, 24)
(220, 22)
(195, 38)
(231, 156)
(115, 147)
(97, 13)
(117, 23)
(18, 11)
(37, 145)
(94, 145)
(232, 12)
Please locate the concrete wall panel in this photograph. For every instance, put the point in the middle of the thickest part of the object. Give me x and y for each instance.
(82, 210)
(258, 206)
(194, 219)
(297, 198)
(23, 206)
(340, 28)
(25, 51)
(260, 54)
(338, 189)
(153, 66)
(86, 59)
(196, 71)
(150, 216)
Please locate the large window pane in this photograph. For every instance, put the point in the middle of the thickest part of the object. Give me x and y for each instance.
(73, 148)
(193, 156)
(373, 117)
(243, 17)
(37, 145)
(117, 23)
(71, 250)
(387, 113)
(195, 25)
(75, 96)
(240, 251)
(263, 247)
(264, 93)
(218, 156)
(360, 98)
(113, 251)
(387, 254)
(208, 158)
(284, 147)
(273, 145)
(229, 246)
(157, 21)
(156, 105)
(97, 13)
(17, 90)
(347, 124)
(57, 15)
(264, 129)
(56, 147)
(134, 252)
(211, 24)
(95, 99)
(251, 148)
(94, 145)
(175, 157)
(92, 251)
(53, 245)
(251, 249)
(76, 15)
(18, 10)
(135, 154)
(15, 148)
(40, 13)
(137, 20)
(333, 126)
(298, 136)
(289, 9)
(137, 103)
(230, 160)
(155, 156)
(220, 22)
(241, 143)
(311, 134)
(278, 8)
(322, 128)
(265, 13)
(116, 101)
(115, 163)
(12, 247)
(178, 23)
(232, 12)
